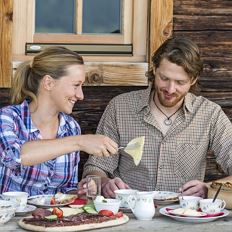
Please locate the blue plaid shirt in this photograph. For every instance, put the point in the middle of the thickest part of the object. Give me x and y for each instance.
(16, 128)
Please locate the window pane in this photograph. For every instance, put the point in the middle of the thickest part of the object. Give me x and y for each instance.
(54, 16)
(101, 16)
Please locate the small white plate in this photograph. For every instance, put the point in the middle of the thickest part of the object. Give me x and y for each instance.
(43, 201)
(28, 209)
(165, 197)
(164, 212)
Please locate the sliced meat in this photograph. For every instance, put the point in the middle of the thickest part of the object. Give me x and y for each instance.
(41, 213)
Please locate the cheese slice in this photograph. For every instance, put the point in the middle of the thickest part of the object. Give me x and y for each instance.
(135, 149)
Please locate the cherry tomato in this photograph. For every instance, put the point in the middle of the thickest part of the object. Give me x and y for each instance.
(58, 212)
(106, 213)
(53, 201)
(119, 214)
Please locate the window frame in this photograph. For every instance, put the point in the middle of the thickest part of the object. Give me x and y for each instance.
(132, 27)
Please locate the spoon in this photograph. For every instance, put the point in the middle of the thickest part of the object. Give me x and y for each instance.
(215, 197)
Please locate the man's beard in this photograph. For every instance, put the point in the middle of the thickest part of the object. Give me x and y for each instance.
(169, 103)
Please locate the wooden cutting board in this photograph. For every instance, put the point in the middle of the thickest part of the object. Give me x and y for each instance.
(92, 226)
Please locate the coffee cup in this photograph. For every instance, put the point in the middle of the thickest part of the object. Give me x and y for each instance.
(190, 202)
(20, 198)
(123, 194)
(210, 207)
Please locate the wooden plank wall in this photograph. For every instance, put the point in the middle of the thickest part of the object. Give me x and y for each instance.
(209, 24)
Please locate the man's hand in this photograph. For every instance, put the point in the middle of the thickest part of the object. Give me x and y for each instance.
(194, 188)
(109, 186)
(82, 187)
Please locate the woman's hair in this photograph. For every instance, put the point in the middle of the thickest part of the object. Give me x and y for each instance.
(180, 51)
(51, 61)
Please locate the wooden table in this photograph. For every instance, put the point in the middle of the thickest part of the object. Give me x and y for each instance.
(159, 223)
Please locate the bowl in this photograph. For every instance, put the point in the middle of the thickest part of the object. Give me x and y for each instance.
(123, 194)
(107, 204)
(225, 195)
(7, 210)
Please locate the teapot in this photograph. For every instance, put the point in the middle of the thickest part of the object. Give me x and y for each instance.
(142, 205)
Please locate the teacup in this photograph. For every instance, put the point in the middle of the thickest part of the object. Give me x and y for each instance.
(123, 194)
(190, 202)
(210, 207)
(20, 198)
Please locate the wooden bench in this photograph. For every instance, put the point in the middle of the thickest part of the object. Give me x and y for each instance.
(88, 114)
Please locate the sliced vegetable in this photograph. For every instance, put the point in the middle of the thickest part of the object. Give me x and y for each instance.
(53, 201)
(90, 205)
(106, 213)
(58, 212)
(90, 210)
(51, 217)
(119, 214)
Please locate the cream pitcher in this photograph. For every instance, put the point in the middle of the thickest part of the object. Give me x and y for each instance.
(142, 205)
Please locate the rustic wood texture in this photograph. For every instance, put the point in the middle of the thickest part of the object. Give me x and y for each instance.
(121, 74)
(6, 22)
(209, 24)
(161, 22)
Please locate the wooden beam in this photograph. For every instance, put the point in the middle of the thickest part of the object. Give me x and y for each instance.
(6, 23)
(161, 22)
(113, 73)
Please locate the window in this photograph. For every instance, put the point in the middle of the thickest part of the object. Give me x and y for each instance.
(143, 24)
(108, 22)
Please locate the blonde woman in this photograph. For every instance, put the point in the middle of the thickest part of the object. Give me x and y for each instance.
(39, 141)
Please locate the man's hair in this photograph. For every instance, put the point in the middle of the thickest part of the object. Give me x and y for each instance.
(180, 51)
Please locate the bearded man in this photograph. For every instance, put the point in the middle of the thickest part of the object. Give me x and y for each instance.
(179, 129)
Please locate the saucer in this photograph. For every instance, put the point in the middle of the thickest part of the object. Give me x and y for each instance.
(202, 219)
(28, 209)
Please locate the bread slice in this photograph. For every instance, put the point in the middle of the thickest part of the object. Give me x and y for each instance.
(62, 198)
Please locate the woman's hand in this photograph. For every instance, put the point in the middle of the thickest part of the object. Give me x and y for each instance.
(99, 145)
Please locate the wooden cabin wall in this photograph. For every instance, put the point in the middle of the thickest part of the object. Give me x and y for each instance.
(209, 24)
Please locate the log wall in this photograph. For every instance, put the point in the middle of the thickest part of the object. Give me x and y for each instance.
(209, 24)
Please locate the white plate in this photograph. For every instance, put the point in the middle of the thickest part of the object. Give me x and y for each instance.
(28, 209)
(165, 197)
(43, 201)
(164, 212)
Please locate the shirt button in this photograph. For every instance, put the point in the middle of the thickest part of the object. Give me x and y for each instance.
(160, 167)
